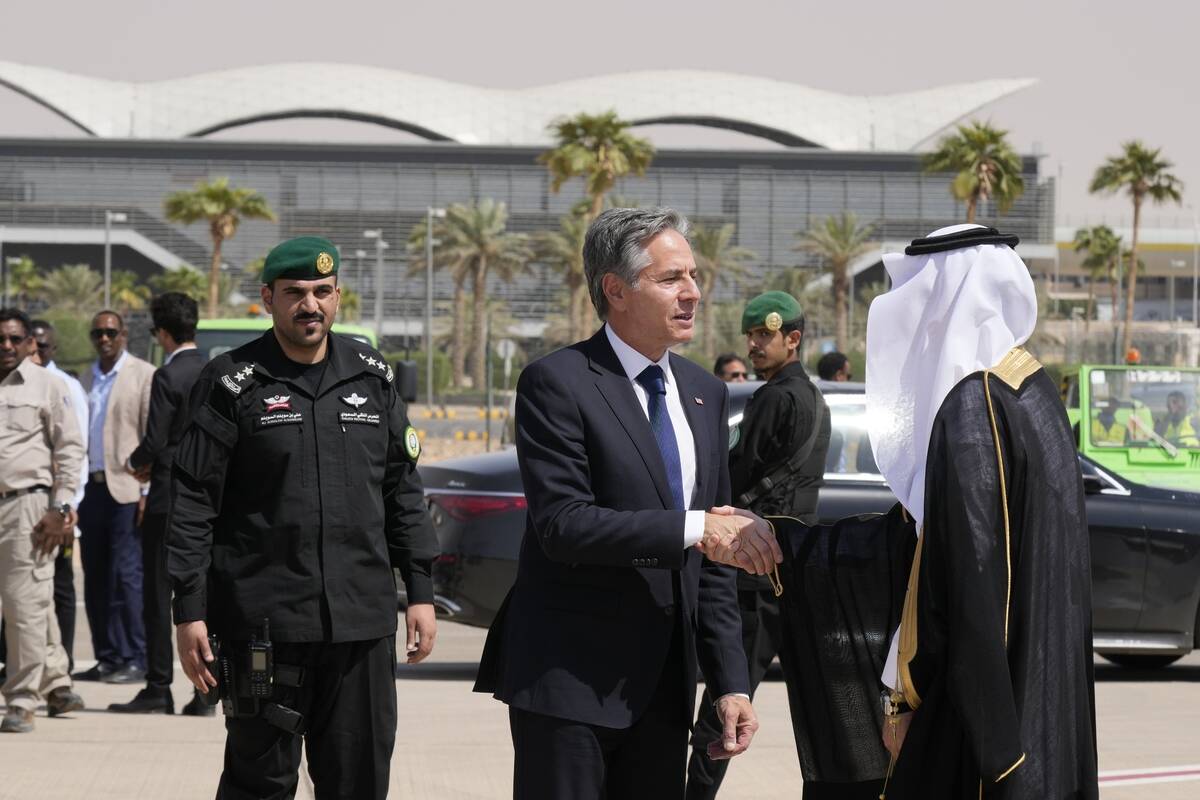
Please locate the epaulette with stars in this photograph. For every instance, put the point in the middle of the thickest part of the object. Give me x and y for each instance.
(379, 364)
(235, 381)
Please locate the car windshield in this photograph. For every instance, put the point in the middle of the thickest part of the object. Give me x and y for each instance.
(1144, 408)
(850, 456)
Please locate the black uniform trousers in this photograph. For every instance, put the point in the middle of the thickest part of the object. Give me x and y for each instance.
(348, 699)
(64, 607)
(760, 639)
(561, 759)
(156, 602)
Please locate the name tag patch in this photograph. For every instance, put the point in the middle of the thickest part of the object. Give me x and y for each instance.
(358, 418)
(280, 418)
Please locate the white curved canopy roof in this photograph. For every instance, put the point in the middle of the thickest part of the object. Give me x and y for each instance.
(440, 110)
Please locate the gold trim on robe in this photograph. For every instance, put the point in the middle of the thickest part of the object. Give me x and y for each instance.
(1017, 366)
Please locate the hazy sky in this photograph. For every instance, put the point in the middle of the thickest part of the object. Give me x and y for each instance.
(1108, 71)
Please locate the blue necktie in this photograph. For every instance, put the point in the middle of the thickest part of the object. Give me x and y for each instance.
(651, 379)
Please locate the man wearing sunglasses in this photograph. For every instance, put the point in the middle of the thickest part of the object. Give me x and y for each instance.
(41, 350)
(731, 368)
(118, 385)
(40, 451)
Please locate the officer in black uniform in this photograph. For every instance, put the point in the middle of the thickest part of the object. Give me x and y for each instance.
(776, 465)
(295, 494)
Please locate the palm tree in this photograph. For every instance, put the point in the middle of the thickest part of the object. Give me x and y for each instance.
(223, 207)
(838, 239)
(23, 281)
(75, 288)
(598, 147)
(350, 306)
(562, 250)
(1102, 250)
(986, 164)
(126, 293)
(472, 241)
(1142, 173)
(185, 279)
(717, 259)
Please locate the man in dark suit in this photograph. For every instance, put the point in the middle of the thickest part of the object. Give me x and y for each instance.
(174, 316)
(622, 448)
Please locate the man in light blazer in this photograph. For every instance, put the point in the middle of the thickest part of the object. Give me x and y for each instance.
(622, 447)
(118, 386)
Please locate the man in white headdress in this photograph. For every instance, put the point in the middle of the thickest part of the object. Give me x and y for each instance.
(991, 671)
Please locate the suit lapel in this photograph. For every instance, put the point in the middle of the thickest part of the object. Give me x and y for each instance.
(697, 420)
(617, 391)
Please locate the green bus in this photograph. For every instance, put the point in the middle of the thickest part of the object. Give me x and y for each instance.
(217, 336)
(1140, 422)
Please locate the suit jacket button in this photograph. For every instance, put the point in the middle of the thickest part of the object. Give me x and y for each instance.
(654, 562)
(669, 610)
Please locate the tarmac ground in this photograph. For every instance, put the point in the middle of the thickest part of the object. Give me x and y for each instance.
(453, 744)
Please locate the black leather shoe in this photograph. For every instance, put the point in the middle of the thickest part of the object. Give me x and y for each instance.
(197, 707)
(94, 673)
(130, 673)
(147, 701)
(63, 701)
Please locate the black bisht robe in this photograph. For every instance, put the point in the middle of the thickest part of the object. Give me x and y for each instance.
(1000, 655)
(843, 594)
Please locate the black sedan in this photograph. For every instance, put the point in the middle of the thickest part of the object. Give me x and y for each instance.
(1145, 541)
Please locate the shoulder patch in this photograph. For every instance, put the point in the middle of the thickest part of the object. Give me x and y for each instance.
(412, 443)
(234, 381)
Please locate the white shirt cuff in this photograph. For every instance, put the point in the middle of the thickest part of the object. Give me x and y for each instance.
(693, 528)
(731, 694)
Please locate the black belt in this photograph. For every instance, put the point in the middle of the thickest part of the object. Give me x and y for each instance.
(96, 477)
(29, 490)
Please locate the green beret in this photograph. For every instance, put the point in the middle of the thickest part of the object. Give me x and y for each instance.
(305, 258)
(771, 310)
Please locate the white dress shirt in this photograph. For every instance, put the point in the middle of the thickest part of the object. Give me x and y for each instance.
(634, 363)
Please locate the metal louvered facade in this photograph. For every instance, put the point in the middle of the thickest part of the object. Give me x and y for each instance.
(54, 192)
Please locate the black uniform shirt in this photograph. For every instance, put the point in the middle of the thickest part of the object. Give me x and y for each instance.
(775, 425)
(294, 505)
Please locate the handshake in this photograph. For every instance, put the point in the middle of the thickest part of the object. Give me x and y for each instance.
(740, 539)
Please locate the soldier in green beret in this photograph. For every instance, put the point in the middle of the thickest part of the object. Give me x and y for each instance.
(776, 465)
(294, 496)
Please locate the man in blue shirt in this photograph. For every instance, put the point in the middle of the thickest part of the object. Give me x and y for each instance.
(110, 547)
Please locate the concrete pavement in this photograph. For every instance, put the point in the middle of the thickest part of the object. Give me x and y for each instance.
(454, 744)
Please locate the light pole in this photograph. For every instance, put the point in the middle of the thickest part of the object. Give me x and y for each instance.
(109, 218)
(380, 246)
(430, 213)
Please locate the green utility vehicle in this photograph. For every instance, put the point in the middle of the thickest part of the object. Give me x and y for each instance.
(1140, 422)
(216, 336)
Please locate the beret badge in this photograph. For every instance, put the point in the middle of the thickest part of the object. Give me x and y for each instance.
(324, 263)
(773, 322)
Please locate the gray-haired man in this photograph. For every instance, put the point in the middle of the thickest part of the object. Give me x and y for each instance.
(623, 447)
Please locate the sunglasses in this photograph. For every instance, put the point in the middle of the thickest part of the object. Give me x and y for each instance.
(104, 333)
(13, 339)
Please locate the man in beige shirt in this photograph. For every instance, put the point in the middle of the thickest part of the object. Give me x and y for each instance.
(41, 450)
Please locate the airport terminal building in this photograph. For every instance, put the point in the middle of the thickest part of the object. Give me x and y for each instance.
(140, 142)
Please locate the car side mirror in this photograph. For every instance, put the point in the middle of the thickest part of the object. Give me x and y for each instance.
(405, 380)
(1093, 484)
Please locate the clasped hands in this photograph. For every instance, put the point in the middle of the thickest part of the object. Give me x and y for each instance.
(740, 539)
